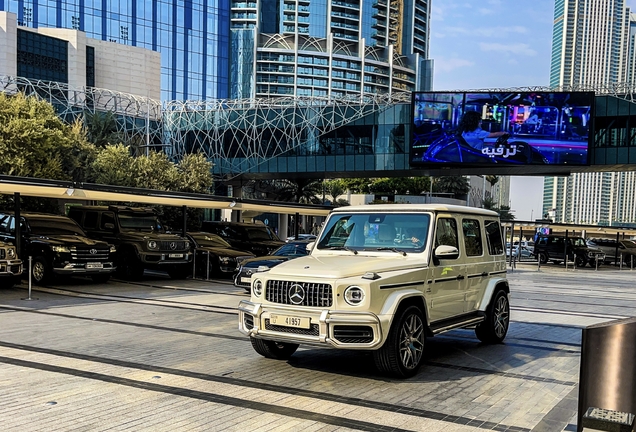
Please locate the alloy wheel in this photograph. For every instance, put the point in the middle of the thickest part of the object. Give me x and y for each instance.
(501, 316)
(412, 339)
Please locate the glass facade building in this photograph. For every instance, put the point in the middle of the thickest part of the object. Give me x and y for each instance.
(191, 35)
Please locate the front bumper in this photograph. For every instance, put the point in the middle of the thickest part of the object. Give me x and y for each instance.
(166, 258)
(328, 329)
(81, 268)
(11, 268)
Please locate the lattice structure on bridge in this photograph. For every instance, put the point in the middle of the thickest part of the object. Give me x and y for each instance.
(237, 135)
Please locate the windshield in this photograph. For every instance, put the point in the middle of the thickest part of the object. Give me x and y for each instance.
(578, 241)
(209, 240)
(261, 233)
(376, 231)
(140, 222)
(54, 226)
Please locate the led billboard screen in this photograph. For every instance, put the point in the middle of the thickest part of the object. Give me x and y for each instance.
(507, 128)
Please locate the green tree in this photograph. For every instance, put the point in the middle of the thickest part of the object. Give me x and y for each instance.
(457, 185)
(101, 129)
(114, 165)
(35, 142)
(357, 185)
(505, 213)
(334, 188)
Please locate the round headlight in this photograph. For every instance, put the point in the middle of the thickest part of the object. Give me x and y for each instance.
(11, 253)
(354, 295)
(152, 244)
(257, 287)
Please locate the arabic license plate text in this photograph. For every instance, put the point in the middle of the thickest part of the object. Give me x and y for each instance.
(175, 256)
(94, 265)
(289, 321)
(246, 280)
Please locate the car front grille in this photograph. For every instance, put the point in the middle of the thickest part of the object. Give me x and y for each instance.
(171, 246)
(90, 254)
(312, 331)
(310, 294)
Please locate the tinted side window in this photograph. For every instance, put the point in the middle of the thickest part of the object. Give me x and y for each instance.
(493, 235)
(76, 215)
(107, 218)
(90, 220)
(446, 233)
(472, 237)
(4, 223)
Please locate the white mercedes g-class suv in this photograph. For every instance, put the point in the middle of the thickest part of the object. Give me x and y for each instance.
(384, 278)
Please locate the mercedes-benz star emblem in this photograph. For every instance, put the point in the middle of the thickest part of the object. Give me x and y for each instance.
(93, 251)
(248, 273)
(296, 294)
(173, 245)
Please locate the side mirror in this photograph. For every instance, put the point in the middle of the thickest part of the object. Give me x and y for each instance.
(109, 226)
(446, 252)
(310, 246)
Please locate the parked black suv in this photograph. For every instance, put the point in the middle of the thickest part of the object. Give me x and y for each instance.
(256, 238)
(141, 239)
(553, 247)
(58, 246)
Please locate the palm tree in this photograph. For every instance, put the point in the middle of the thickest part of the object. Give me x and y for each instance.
(457, 185)
(334, 188)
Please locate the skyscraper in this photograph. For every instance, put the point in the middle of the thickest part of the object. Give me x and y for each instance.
(192, 36)
(329, 47)
(593, 44)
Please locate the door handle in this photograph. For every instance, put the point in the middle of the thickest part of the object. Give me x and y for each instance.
(460, 277)
(484, 274)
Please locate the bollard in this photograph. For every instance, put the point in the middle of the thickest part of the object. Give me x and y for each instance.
(539, 262)
(596, 257)
(30, 270)
(207, 271)
(632, 263)
(194, 264)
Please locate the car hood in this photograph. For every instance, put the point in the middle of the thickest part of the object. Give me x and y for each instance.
(139, 236)
(70, 240)
(221, 251)
(342, 266)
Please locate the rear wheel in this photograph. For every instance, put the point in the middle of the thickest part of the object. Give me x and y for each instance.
(543, 258)
(495, 327)
(273, 350)
(403, 351)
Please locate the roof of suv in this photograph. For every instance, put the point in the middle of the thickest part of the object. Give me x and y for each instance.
(417, 207)
(241, 224)
(36, 214)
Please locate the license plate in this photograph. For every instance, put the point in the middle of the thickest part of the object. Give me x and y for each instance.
(289, 321)
(246, 280)
(175, 256)
(94, 265)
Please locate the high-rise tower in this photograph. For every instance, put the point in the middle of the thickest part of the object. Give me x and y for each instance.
(593, 44)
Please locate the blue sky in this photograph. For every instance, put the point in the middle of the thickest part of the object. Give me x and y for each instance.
(480, 44)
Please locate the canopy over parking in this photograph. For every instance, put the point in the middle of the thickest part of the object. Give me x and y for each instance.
(10, 185)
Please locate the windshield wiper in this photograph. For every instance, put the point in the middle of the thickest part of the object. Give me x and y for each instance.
(355, 252)
(392, 249)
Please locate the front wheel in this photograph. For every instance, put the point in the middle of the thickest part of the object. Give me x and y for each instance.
(543, 258)
(403, 351)
(580, 261)
(40, 271)
(129, 266)
(495, 327)
(273, 350)
(179, 272)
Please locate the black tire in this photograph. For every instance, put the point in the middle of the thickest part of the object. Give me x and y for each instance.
(179, 272)
(129, 267)
(273, 350)
(403, 351)
(543, 258)
(102, 278)
(580, 261)
(41, 272)
(494, 328)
